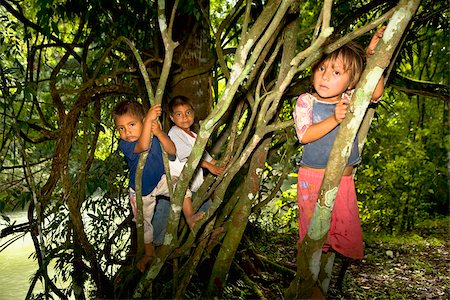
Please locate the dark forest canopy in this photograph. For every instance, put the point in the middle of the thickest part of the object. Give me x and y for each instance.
(65, 64)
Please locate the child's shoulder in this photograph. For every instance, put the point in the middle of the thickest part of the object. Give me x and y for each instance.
(125, 143)
(127, 147)
(305, 100)
(306, 95)
(175, 130)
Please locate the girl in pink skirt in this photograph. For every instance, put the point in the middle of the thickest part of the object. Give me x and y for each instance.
(317, 117)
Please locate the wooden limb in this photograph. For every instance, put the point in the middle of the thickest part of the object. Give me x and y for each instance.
(245, 23)
(202, 69)
(288, 269)
(268, 63)
(239, 215)
(15, 228)
(285, 268)
(250, 283)
(169, 46)
(417, 87)
(326, 270)
(193, 262)
(218, 45)
(357, 33)
(38, 238)
(256, 208)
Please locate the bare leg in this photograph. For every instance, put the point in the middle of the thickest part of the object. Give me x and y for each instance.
(191, 218)
(148, 256)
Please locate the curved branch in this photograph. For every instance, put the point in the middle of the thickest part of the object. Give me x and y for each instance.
(204, 68)
(368, 8)
(236, 11)
(65, 140)
(418, 87)
(359, 32)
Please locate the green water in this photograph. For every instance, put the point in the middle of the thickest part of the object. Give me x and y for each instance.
(16, 265)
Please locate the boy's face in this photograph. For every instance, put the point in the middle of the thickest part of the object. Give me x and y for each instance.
(183, 116)
(331, 80)
(129, 127)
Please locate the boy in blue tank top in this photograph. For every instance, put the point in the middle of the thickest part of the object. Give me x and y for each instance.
(136, 129)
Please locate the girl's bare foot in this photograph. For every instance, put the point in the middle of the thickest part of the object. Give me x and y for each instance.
(194, 218)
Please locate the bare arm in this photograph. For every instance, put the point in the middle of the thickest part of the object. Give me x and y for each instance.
(144, 140)
(378, 92)
(212, 167)
(164, 139)
(318, 130)
(379, 89)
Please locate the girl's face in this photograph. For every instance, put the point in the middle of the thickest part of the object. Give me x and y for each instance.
(331, 80)
(129, 127)
(183, 116)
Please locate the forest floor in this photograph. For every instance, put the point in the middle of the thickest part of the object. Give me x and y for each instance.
(414, 265)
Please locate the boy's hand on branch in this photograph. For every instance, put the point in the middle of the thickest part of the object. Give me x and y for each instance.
(166, 143)
(156, 128)
(148, 128)
(374, 41)
(154, 112)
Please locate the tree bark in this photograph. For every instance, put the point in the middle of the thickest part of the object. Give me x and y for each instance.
(193, 60)
(238, 221)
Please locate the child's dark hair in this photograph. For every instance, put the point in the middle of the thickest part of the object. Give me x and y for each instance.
(179, 100)
(352, 56)
(129, 107)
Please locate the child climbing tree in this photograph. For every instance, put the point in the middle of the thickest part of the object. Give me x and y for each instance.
(312, 270)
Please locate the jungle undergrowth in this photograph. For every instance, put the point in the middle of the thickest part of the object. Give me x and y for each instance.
(410, 265)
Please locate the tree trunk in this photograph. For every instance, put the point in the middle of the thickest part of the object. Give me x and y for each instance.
(193, 60)
(235, 227)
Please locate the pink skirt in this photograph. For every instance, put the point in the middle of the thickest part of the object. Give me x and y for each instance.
(345, 235)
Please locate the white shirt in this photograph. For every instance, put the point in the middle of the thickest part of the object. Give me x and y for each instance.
(184, 143)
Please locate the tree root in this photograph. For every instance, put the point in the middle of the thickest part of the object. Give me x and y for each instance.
(278, 267)
(253, 285)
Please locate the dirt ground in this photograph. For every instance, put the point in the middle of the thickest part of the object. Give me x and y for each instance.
(392, 271)
(414, 265)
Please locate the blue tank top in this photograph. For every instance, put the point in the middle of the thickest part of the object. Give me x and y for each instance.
(315, 154)
(154, 165)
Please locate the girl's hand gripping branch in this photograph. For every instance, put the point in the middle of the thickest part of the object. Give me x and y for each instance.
(341, 110)
(374, 41)
(378, 92)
